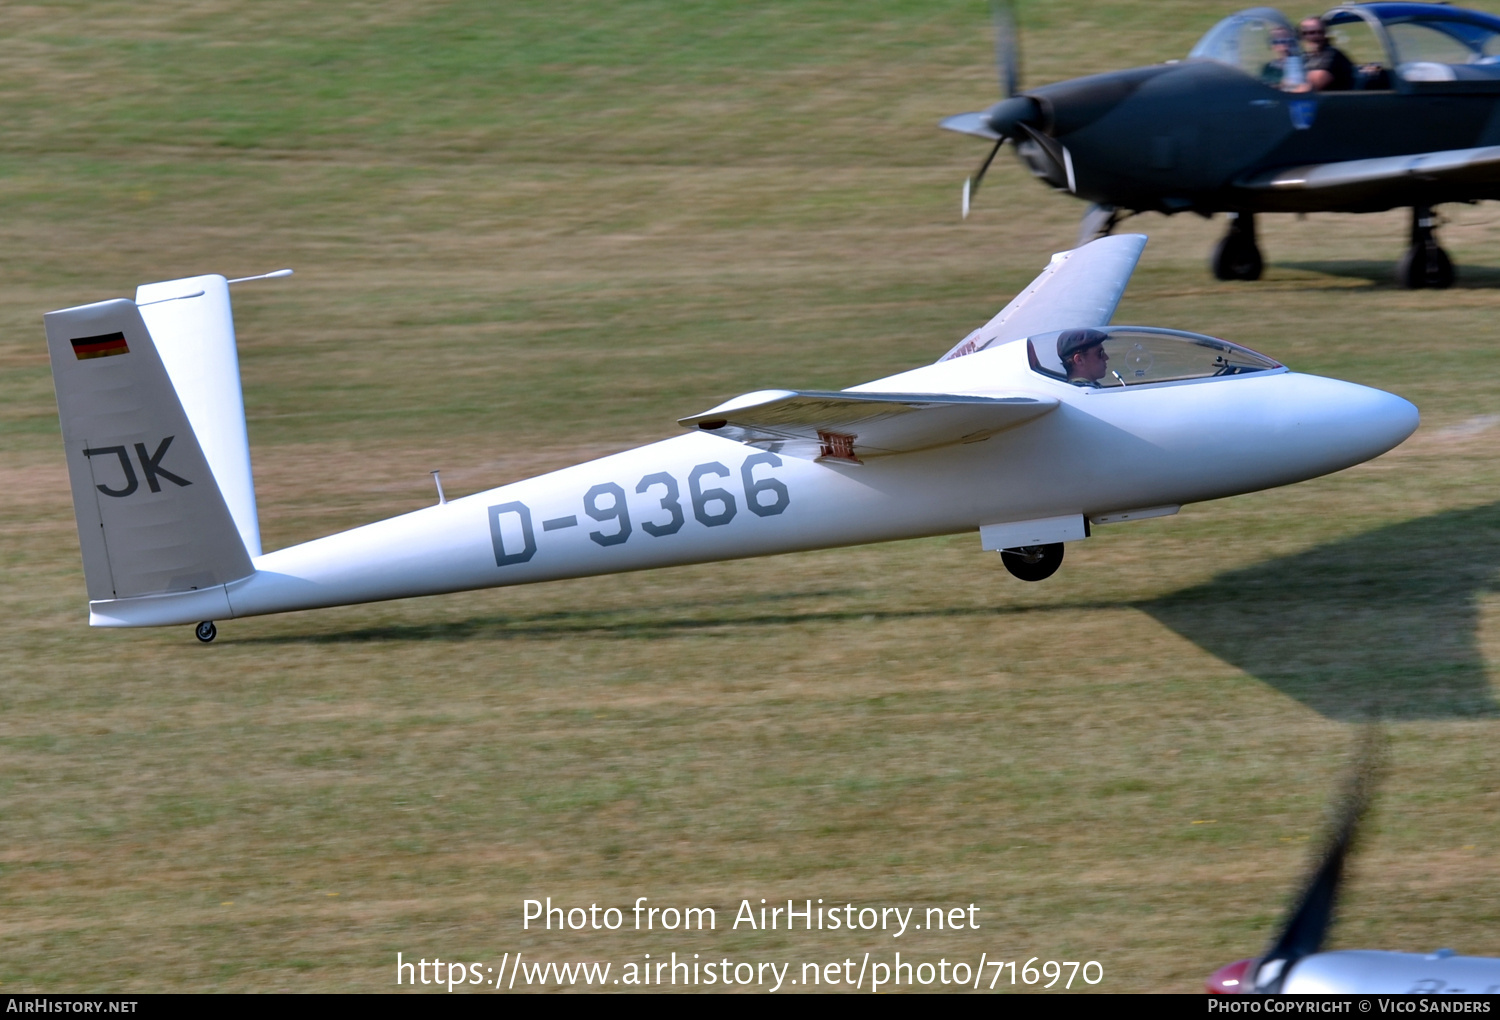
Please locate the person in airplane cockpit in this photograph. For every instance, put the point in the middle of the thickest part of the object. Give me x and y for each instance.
(1327, 69)
(1083, 356)
(1284, 71)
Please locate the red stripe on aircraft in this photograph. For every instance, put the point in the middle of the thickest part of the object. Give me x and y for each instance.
(102, 346)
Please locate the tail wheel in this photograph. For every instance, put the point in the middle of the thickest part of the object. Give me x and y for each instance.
(206, 631)
(1033, 562)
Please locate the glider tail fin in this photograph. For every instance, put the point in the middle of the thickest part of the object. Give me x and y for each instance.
(154, 524)
(192, 325)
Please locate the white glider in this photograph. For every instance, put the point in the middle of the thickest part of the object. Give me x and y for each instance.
(991, 438)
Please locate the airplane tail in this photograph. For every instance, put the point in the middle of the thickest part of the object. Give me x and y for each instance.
(153, 423)
(192, 325)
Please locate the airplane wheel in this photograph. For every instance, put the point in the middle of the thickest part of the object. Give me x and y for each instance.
(1033, 562)
(1236, 257)
(1425, 266)
(206, 631)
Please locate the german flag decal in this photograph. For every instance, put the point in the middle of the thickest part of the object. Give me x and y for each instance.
(99, 346)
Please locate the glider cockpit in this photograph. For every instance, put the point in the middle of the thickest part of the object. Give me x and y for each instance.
(1143, 355)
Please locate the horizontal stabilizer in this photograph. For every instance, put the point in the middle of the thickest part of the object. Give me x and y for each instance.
(150, 515)
(1078, 288)
(845, 425)
(1355, 178)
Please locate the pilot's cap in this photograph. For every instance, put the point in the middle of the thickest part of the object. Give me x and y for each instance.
(1071, 341)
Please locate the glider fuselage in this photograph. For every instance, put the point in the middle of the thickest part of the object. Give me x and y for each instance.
(699, 497)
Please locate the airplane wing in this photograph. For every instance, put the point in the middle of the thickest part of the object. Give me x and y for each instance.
(1353, 179)
(846, 426)
(1078, 288)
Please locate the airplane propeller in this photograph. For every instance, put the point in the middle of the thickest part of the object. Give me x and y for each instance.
(971, 184)
(1013, 111)
(1007, 47)
(1307, 924)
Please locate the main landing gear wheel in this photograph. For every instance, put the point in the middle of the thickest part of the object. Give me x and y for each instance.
(206, 631)
(1033, 562)
(1424, 264)
(1237, 256)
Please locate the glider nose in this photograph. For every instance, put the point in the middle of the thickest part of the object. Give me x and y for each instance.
(1360, 422)
(1386, 419)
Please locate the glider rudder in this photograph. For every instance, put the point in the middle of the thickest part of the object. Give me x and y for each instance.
(158, 538)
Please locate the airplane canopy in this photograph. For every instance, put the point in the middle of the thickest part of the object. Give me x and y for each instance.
(1138, 355)
(1428, 42)
(1243, 39)
(1425, 44)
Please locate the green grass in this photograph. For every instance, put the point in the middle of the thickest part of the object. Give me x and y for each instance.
(530, 234)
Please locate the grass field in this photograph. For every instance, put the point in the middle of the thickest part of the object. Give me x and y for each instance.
(529, 234)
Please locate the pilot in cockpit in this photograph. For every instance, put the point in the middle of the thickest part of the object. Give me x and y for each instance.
(1083, 357)
(1321, 68)
(1328, 70)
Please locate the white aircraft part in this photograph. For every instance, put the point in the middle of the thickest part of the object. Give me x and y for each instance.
(1037, 459)
(701, 497)
(193, 326)
(1078, 288)
(1144, 513)
(1425, 71)
(150, 517)
(1017, 534)
(1377, 972)
(870, 424)
(159, 610)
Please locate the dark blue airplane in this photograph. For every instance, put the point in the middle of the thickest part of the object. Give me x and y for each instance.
(1239, 127)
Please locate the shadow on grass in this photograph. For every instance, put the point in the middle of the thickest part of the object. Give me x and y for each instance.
(1381, 273)
(655, 621)
(1382, 622)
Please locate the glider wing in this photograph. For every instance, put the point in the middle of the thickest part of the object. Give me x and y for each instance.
(847, 426)
(1078, 288)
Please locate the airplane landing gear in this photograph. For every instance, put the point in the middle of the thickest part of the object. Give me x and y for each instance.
(206, 631)
(1033, 562)
(1237, 256)
(1098, 222)
(1424, 264)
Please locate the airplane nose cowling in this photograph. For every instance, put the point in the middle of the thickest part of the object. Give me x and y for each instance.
(1069, 106)
(1006, 116)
